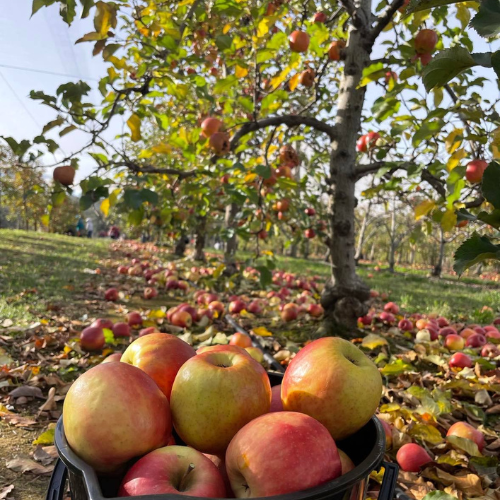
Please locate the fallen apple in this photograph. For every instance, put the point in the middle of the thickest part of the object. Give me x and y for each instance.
(411, 457)
(465, 430)
(92, 339)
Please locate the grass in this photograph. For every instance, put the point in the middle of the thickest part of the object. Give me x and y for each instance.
(38, 269)
(414, 290)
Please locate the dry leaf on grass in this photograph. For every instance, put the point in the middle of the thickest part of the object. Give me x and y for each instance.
(26, 391)
(4, 492)
(22, 465)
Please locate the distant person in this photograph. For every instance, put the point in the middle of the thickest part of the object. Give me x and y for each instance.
(80, 227)
(90, 227)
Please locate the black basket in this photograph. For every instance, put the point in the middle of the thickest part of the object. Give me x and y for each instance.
(365, 448)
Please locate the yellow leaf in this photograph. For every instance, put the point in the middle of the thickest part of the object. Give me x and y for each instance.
(134, 123)
(422, 209)
(454, 140)
(269, 225)
(45, 220)
(249, 178)
(389, 407)
(268, 252)
(495, 143)
(426, 433)
(294, 81)
(105, 207)
(449, 220)
(372, 341)
(262, 331)
(263, 27)
(67, 349)
(157, 314)
(219, 271)
(46, 438)
(226, 28)
(5, 359)
(240, 72)
(463, 15)
(162, 148)
(278, 80)
(45, 321)
(455, 159)
(113, 197)
(105, 18)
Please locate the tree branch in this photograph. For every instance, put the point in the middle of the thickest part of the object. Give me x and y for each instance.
(149, 169)
(188, 16)
(348, 6)
(370, 168)
(383, 20)
(475, 203)
(436, 183)
(288, 120)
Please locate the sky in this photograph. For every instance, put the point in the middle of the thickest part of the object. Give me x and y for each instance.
(39, 53)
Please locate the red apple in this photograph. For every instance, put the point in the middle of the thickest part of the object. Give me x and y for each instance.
(214, 395)
(122, 269)
(189, 309)
(299, 41)
(476, 340)
(411, 457)
(64, 175)
(319, 17)
(425, 41)
(454, 342)
(236, 306)
(479, 330)
(240, 340)
(148, 331)
(386, 317)
(334, 49)
(290, 312)
(333, 381)
(465, 430)
(447, 330)
(210, 126)
(172, 284)
(256, 470)
(442, 322)
(92, 339)
(315, 310)
(310, 212)
(182, 319)
(111, 295)
(256, 353)
(134, 318)
(366, 320)
(391, 307)
(309, 233)
(460, 360)
(276, 403)
(115, 412)
(216, 306)
(255, 307)
(103, 323)
(493, 334)
(405, 325)
(113, 358)
(490, 351)
(150, 293)
(475, 170)
(121, 330)
(466, 333)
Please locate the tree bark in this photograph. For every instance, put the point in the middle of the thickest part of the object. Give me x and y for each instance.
(200, 235)
(180, 246)
(232, 243)
(362, 233)
(392, 245)
(345, 295)
(438, 268)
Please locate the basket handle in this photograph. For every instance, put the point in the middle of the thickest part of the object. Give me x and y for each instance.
(57, 482)
(389, 481)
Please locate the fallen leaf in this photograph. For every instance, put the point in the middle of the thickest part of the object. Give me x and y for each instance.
(7, 322)
(23, 465)
(45, 438)
(5, 491)
(50, 404)
(262, 331)
(26, 391)
(372, 341)
(40, 455)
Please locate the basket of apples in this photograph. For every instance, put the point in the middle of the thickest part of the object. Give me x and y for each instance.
(166, 421)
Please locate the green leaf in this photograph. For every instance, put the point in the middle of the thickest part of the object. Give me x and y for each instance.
(439, 495)
(135, 217)
(225, 84)
(266, 277)
(86, 201)
(67, 130)
(87, 5)
(419, 5)
(492, 219)
(445, 66)
(68, 11)
(38, 4)
(109, 338)
(484, 465)
(495, 62)
(223, 42)
(52, 124)
(264, 171)
(149, 196)
(58, 198)
(474, 250)
(490, 184)
(487, 21)
(133, 198)
(467, 445)
(426, 131)
(397, 367)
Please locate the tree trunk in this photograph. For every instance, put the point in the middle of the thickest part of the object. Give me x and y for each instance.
(293, 250)
(372, 253)
(180, 246)
(305, 249)
(438, 268)
(392, 255)
(200, 235)
(362, 233)
(345, 295)
(232, 242)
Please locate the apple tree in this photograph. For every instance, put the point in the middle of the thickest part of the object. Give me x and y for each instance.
(260, 97)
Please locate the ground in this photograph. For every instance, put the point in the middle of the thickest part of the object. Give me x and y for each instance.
(51, 287)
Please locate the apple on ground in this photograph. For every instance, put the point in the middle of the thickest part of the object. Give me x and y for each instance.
(255, 307)
(182, 319)
(236, 306)
(334, 382)
(92, 339)
(113, 358)
(111, 295)
(411, 457)
(241, 340)
(216, 306)
(255, 469)
(454, 342)
(465, 430)
(476, 340)
(104, 409)
(442, 322)
(492, 334)
(103, 323)
(214, 395)
(490, 351)
(290, 312)
(121, 330)
(447, 330)
(387, 317)
(460, 360)
(346, 463)
(405, 325)
(160, 355)
(148, 331)
(134, 318)
(150, 293)
(276, 403)
(176, 470)
(391, 307)
(256, 353)
(315, 310)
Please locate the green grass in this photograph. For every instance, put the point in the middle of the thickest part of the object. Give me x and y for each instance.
(51, 264)
(414, 290)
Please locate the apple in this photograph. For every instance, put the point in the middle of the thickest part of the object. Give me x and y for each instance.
(334, 50)
(113, 358)
(256, 353)
(121, 330)
(405, 325)
(315, 310)
(454, 342)
(284, 171)
(388, 433)
(319, 17)
(216, 306)
(460, 360)
(391, 75)
(493, 334)
(135, 270)
(447, 330)
(255, 469)
(290, 312)
(111, 295)
(496, 321)
(490, 328)
(240, 340)
(182, 285)
(220, 463)
(476, 340)
(466, 333)
(255, 307)
(425, 41)
(276, 403)
(103, 323)
(386, 317)
(182, 319)
(210, 126)
(346, 463)
(122, 269)
(134, 318)
(214, 395)
(189, 309)
(262, 234)
(391, 307)
(150, 293)
(92, 339)
(220, 144)
(306, 78)
(283, 205)
(236, 306)
(65, 175)
(366, 320)
(442, 322)
(171, 284)
(367, 142)
(207, 298)
(490, 351)
(465, 430)
(160, 355)
(479, 330)
(148, 331)
(299, 41)
(309, 233)
(475, 170)
(115, 412)
(178, 470)
(331, 380)
(310, 212)
(411, 457)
